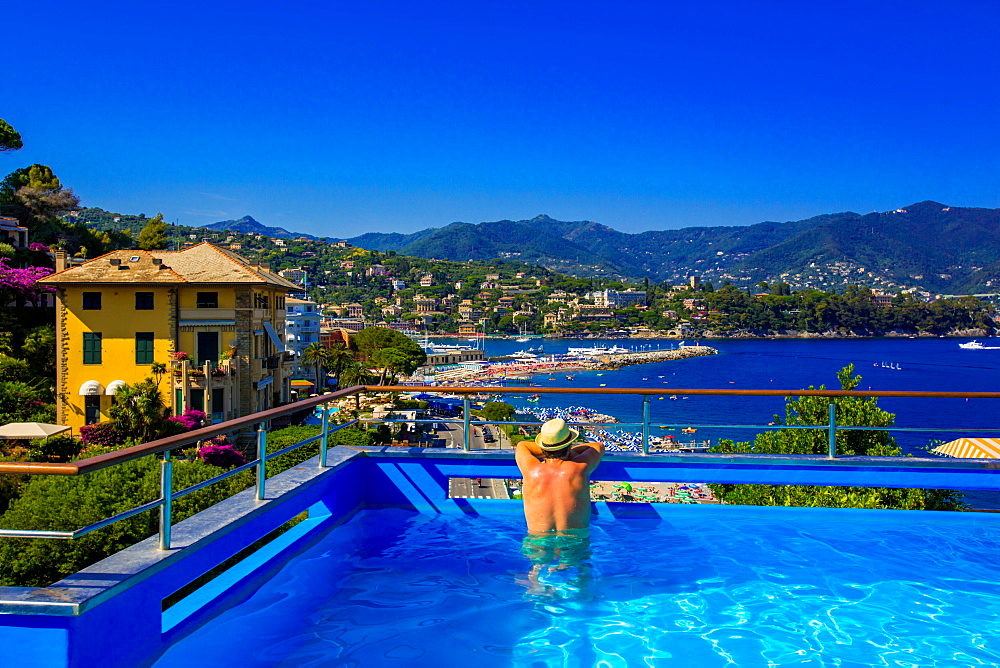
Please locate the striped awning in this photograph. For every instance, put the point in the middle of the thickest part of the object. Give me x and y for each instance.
(91, 388)
(301, 383)
(225, 325)
(113, 386)
(976, 448)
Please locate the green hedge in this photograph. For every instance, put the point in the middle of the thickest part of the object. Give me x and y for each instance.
(62, 503)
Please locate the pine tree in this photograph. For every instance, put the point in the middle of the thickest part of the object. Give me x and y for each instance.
(153, 236)
(10, 139)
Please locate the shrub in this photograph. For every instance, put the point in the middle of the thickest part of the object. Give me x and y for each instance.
(101, 435)
(21, 402)
(12, 368)
(63, 503)
(224, 456)
(351, 436)
(11, 484)
(56, 449)
(189, 420)
(410, 404)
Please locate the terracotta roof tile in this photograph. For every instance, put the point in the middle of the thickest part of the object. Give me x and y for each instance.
(201, 263)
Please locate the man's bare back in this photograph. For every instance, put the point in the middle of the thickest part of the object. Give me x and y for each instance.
(556, 491)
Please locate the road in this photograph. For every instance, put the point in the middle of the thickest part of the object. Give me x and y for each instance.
(468, 488)
(453, 435)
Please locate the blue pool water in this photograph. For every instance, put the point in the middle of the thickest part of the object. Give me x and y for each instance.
(705, 586)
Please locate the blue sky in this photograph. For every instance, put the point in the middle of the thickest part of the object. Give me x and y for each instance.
(338, 118)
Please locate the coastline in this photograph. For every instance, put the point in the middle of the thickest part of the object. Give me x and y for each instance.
(748, 334)
(645, 357)
(541, 366)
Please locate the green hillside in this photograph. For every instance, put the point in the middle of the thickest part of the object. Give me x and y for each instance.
(927, 246)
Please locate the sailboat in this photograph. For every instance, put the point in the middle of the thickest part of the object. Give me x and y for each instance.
(523, 334)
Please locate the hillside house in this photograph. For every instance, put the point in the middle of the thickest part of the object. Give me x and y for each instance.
(225, 313)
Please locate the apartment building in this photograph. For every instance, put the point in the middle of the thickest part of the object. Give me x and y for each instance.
(119, 313)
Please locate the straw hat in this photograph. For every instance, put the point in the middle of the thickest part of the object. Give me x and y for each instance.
(555, 435)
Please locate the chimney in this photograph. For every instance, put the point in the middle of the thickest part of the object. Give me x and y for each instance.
(115, 261)
(60, 259)
(157, 260)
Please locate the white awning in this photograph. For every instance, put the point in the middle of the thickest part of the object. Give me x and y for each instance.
(27, 430)
(279, 347)
(91, 388)
(114, 385)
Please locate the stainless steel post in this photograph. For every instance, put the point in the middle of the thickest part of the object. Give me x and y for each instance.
(326, 436)
(261, 461)
(645, 424)
(833, 431)
(167, 496)
(465, 420)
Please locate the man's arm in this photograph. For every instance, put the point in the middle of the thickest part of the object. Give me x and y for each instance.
(524, 455)
(532, 447)
(588, 453)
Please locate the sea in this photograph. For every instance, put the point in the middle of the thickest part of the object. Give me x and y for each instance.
(922, 364)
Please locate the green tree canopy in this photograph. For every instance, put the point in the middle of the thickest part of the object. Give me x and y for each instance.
(35, 176)
(389, 350)
(848, 411)
(154, 235)
(10, 139)
(498, 411)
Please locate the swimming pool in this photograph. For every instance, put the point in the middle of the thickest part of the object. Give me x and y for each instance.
(695, 585)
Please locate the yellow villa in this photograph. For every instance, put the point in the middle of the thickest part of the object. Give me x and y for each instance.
(120, 313)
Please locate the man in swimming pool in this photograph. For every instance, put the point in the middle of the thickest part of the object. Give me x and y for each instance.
(556, 489)
(556, 494)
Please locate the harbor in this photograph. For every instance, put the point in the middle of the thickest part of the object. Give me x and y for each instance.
(520, 365)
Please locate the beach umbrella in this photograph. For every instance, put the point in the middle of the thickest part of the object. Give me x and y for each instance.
(976, 448)
(627, 486)
(30, 430)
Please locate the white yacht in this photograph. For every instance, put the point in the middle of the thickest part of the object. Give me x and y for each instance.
(976, 345)
(597, 351)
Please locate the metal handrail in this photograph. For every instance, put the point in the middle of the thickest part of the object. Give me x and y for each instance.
(99, 462)
(261, 419)
(688, 392)
(168, 495)
(831, 426)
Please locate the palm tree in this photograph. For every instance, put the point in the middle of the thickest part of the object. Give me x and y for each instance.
(315, 355)
(139, 411)
(158, 369)
(337, 358)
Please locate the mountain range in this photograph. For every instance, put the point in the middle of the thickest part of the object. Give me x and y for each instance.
(247, 225)
(928, 246)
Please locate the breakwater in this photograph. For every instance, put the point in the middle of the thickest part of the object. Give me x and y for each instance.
(619, 360)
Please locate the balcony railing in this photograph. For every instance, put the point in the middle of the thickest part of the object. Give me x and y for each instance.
(260, 420)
